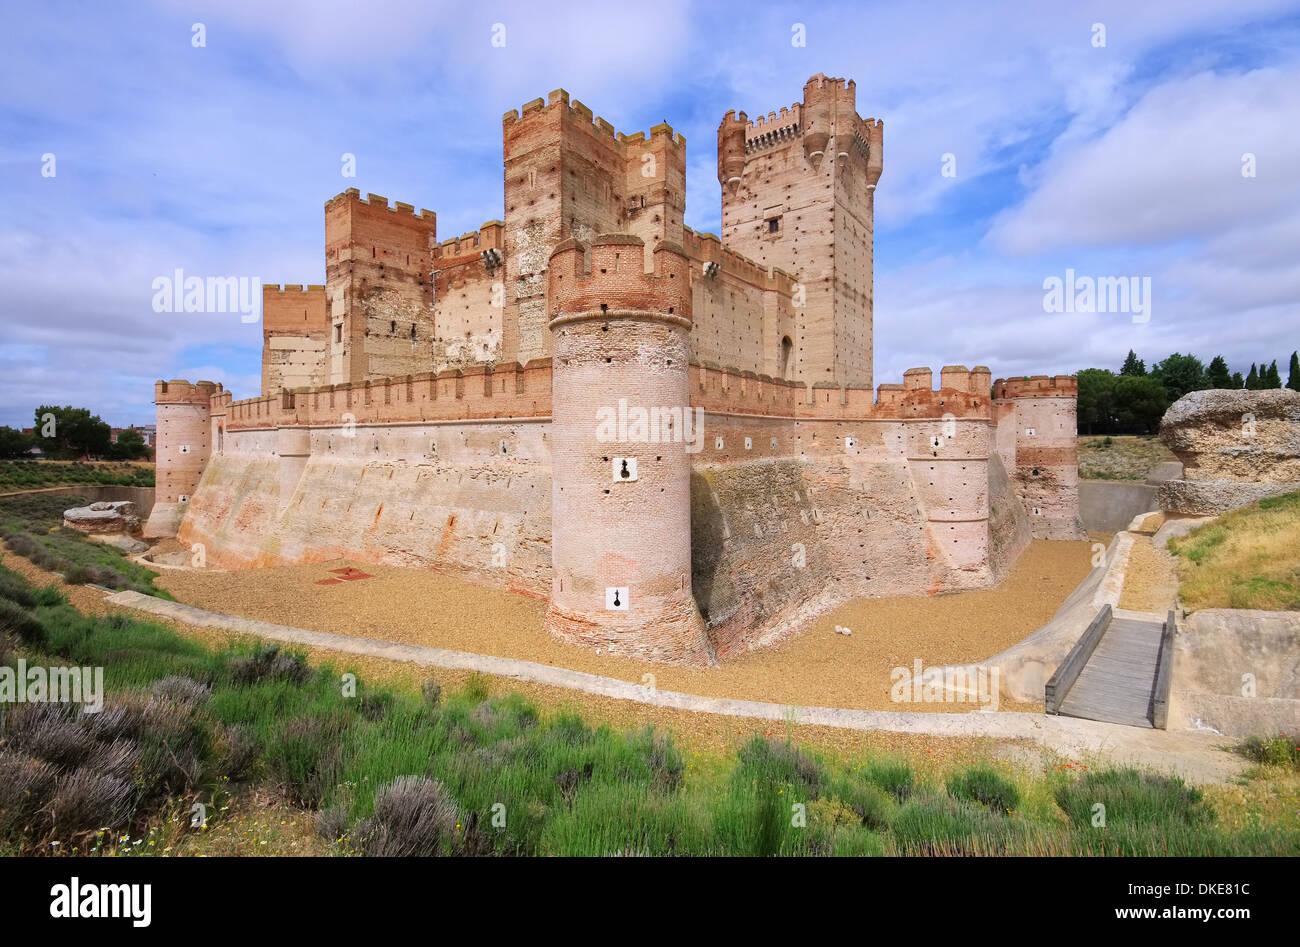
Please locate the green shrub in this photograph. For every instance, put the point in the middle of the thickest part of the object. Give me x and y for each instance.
(306, 757)
(1133, 799)
(778, 762)
(1280, 750)
(858, 843)
(981, 784)
(21, 624)
(893, 776)
(942, 826)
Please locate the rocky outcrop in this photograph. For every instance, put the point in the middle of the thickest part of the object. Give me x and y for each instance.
(116, 516)
(1236, 447)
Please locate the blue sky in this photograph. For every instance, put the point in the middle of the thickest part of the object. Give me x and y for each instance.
(1122, 160)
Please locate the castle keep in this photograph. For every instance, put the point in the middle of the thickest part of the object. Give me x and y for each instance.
(671, 438)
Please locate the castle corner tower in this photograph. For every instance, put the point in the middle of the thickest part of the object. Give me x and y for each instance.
(798, 193)
(621, 440)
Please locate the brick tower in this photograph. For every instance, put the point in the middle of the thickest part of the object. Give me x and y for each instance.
(378, 293)
(569, 174)
(181, 450)
(621, 512)
(1046, 465)
(798, 193)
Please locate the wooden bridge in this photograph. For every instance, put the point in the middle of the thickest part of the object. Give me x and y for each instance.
(1118, 672)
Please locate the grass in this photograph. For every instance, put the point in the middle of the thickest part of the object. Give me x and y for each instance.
(286, 757)
(34, 474)
(32, 526)
(1120, 457)
(1249, 558)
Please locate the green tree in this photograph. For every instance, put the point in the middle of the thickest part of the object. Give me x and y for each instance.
(1139, 404)
(1180, 374)
(14, 443)
(71, 432)
(1237, 381)
(1096, 401)
(1216, 376)
(1271, 377)
(1252, 379)
(130, 446)
(1133, 365)
(1293, 377)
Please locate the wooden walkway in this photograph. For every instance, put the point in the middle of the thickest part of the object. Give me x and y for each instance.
(1117, 673)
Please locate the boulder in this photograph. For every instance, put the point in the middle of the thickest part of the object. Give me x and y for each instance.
(1236, 447)
(117, 516)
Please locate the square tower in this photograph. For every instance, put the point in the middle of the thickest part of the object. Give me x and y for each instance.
(378, 291)
(798, 192)
(568, 174)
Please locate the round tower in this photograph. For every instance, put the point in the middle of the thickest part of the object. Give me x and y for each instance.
(731, 150)
(182, 446)
(621, 430)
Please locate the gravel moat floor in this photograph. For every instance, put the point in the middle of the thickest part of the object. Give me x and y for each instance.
(816, 666)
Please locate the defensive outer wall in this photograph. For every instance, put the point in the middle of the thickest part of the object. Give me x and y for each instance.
(781, 501)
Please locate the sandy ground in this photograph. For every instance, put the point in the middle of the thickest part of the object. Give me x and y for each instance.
(815, 667)
(1151, 580)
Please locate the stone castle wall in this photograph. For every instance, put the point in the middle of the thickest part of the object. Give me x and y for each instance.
(799, 498)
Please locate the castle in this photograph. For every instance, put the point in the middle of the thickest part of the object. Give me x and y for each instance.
(671, 438)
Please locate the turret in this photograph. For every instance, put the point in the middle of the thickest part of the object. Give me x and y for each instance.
(621, 435)
(182, 448)
(1043, 414)
(731, 150)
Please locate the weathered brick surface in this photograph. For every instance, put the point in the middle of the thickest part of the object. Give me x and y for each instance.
(182, 448)
(377, 265)
(295, 338)
(622, 342)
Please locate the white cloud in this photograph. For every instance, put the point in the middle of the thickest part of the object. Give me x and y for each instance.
(1170, 169)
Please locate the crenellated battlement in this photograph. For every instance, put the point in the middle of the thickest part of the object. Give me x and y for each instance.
(706, 247)
(1037, 386)
(379, 202)
(490, 236)
(608, 275)
(180, 391)
(660, 131)
(773, 128)
(579, 116)
(283, 288)
(508, 390)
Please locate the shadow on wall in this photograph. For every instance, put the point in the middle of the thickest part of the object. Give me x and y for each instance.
(762, 558)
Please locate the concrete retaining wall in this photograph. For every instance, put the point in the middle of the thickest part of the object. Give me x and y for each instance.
(1108, 506)
(1237, 671)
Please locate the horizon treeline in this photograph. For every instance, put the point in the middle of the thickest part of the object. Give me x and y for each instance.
(1133, 400)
